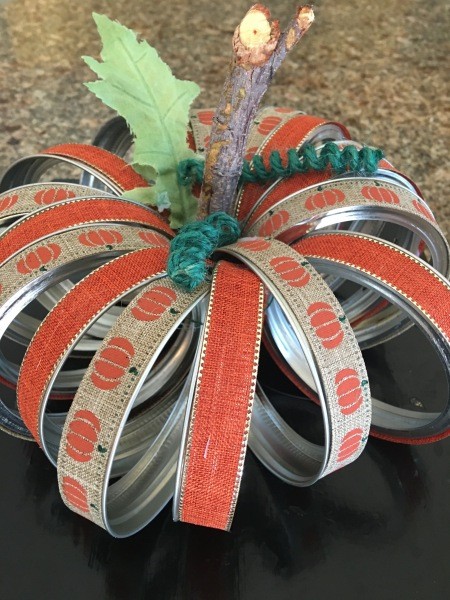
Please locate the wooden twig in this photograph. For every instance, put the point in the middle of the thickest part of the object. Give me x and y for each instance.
(259, 50)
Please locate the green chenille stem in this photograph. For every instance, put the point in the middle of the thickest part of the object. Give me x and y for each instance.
(196, 242)
(307, 159)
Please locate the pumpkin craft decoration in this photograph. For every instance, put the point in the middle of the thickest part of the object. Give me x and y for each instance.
(163, 408)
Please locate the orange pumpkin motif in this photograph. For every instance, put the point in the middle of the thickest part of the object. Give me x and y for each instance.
(250, 153)
(112, 364)
(190, 140)
(206, 117)
(8, 202)
(84, 430)
(254, 244)
(379, 194)
(268, 124)
(349, 391)
(154, 303)
(152, 238)
(423, 210)
(275, 223)
(284, 109)
(44, 197)
(350, 444)
(38, 259)
(290, 271)
(75, 494)
(326, 324)
(324, 198)
(101, 237)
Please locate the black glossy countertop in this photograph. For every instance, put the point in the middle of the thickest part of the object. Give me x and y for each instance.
(378, 529)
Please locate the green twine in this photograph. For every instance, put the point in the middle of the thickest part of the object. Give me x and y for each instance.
(366, 160)
(195, 243)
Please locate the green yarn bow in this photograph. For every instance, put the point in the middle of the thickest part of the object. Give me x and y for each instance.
(195, 243)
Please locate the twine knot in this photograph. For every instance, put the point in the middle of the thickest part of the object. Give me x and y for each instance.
(195, 243)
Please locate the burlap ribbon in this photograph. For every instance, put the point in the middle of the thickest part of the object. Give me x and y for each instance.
(186, 431)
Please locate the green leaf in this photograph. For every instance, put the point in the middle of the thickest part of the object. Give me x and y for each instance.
(142, 195)
(134, 81)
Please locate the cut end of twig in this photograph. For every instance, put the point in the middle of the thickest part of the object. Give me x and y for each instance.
(255, 28)
(300, 24)
(256, 37)
(305, 17)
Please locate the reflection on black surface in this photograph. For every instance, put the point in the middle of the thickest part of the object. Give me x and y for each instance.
(279, 529)
(375, 527)
(412, 380)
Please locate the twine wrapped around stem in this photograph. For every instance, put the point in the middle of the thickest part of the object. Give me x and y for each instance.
(365, 161)
(259, 49)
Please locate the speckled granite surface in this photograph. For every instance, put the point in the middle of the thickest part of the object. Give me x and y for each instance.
(379, 67)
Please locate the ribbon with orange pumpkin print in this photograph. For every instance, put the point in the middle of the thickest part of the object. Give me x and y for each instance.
(20, 201)
(76, 212)
(107, 394)
(26, 266)
(332, 200)
(421, 292)
(104, 287)
(359, 199)
(331, 351)
(409, 283)
(37, 267)
(396, 274)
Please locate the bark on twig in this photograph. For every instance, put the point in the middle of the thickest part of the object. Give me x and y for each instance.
(259, 50)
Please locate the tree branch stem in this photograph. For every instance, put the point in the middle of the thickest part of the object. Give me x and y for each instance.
(259, 49)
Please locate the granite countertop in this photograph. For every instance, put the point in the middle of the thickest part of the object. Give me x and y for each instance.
(379, 67)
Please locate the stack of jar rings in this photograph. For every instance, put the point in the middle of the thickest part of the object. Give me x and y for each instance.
(126, 516)
(280, 129)
(388, 205)
(66, 239)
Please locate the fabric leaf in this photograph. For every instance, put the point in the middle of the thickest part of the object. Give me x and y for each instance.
(134, 81)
